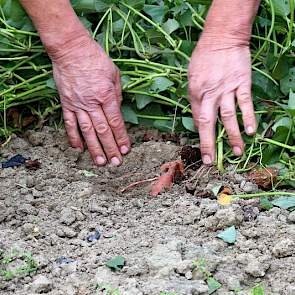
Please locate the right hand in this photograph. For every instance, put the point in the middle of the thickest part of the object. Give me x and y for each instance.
(89, 87)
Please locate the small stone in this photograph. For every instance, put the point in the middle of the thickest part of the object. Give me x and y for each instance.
(35, 138)
(165, 256)
(72, 154)
(66, 232)
(284, 248)
(41, 284)
(94, 207)
(233, 215)
(184, 266)
(291, 217)
(249, 187)
(250, 213)
(255, 269)
(30, 181)
(67, 216)
(189, 275)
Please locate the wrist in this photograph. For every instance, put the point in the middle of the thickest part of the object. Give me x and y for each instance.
(223, 40)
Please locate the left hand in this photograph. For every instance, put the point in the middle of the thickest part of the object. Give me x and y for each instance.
(218, 75)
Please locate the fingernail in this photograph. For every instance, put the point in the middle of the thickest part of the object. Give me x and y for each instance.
(207, 160)
(250, 130)
(100, 160)
(124, 149)
(237, 151)
(115, 161)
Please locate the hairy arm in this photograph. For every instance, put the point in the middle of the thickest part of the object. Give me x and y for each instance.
(220, 74)
(55, 21)
(87, 80)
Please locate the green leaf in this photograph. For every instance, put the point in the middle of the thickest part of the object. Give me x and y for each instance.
(229, 235)
(215, 189)
(90, 6)
(291, 101)
(125, 79)
(88, 173)
(116, 263)
(263, 87)
(283, 122)
(170, 25)
(213, 285)
(257, 290)
(156, 12)
(188, 123)
(288, 82)
(284, 202)
(129, 115)
(16, 16)
(282, 7)
(142, 100)
(50, 83)
(265, 203)
(160, 84)
(163, 125)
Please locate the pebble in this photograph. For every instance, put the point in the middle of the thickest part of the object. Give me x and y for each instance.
(67, 216)
(249, 187)
(72, 154)
(291, 217)
(233, 215)
(66, 232)
(255, 269)
(284, 248)
(35, 138)
(41, 284)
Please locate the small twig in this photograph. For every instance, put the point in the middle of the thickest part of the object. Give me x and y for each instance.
(137, 183)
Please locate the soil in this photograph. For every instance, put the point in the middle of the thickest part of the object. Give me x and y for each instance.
(73, 222)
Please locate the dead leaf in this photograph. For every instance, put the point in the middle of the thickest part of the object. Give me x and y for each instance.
(224, 197)
(263, 177)
(13, 115)
(191, 156)
(28, 120)
(32, 164)
(172, 171)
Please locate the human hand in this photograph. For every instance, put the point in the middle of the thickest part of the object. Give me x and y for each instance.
(89, 87)
(218, 75)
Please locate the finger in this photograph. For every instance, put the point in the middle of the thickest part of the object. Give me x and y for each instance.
(90, 137)
(207, 122)
(72, 129)
(196, 111)
(118, 88)
(246, 106)
(113, 114)
(105, 135)
(230, 122)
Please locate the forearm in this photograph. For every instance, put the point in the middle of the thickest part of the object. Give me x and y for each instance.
(56, 22)
(231, 21)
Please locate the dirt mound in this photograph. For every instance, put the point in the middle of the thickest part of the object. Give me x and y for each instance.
(68, 218)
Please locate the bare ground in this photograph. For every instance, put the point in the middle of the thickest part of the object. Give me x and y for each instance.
(51, 213)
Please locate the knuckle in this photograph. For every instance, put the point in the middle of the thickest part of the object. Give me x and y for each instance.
(101, 127)
(244, 98)
(205, 147)
(116, 122)
(227, 113)
(69, 123)
(204, 120)
(85, 127)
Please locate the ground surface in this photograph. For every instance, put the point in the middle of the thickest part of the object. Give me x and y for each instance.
(50, 213)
